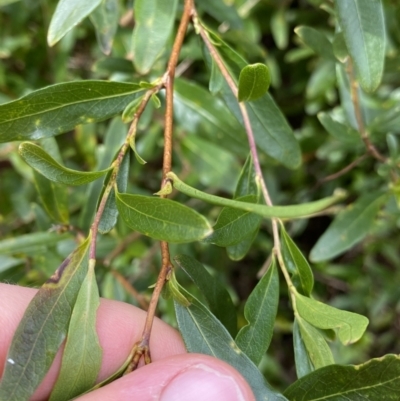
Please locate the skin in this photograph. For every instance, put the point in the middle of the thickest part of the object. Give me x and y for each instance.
(172, 372)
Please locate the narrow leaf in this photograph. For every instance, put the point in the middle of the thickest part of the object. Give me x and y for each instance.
(43, 328)
(246, 184)
(240, 250)
(162, 219)
(203, 333)
(260, 312)
(234, 225)
(110, 214)
(318, 351)
(297, 264)
(59, 108)
(316, 41)
(375, 380)
(363, 26)
(302, 360)
(105, 20)
(349, 227)
(82, 354)
(68, 14)
(290, 212)
(218, 298)
(154, 20)
(43, 163)
(254, 81)
(350, 326)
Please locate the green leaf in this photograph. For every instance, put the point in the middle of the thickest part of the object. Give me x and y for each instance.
(82, 354)
(195, 108)
(302, 360)
(30, 242)
(105, 20)
(283, 212)
(162, 219)
(7, 262)
(34, 116)
(110, 214)
(154, 20)
(246, 184)
(350, 326)
(234, 225)
(254, 81)
(363, 26)
(43, 163)
(316, 41)
(318, 351)
(349, 227)
(338, 130)
(297, 264)
(131, 109)
(218, 298)
(240, 250)
(222, 11)
(339, 47)
(272, 133)
(375, 380)
(68, 13)
(43, 328)
(203, 333)
(280, 29)
(216, 79)
(260, 312)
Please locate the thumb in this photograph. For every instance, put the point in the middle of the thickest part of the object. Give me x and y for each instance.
(185, 377)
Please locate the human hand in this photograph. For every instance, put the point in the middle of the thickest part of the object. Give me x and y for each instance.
(174, 375)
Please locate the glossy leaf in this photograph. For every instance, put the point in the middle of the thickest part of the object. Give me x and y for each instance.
(105, 20)
(272, 133)
(349, 227)
(260, 312)
(203, 333)
(297, 264)
(154, 20)
(234, 225)
(43, 163)
(217, 296)
(338, 130)
(375, 380)
(350, 326)
(68, 13)
(316, 40)
(82, 354)
(363, 27)
(43, 328)
(302, 360)
(110, 214)
(290, 212)
(254, 81)
(162, 219)
(59, 108)
(30, 242)
(318, 351)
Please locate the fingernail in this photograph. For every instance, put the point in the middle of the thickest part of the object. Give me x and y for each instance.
(200, 383)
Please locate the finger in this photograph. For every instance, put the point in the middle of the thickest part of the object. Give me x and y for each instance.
(119, 326)
(191, 377)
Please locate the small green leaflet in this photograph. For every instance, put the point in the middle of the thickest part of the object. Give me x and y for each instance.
(218, 298)
(43, 163)
(260, 312)
(297, 264)
(375, 380)
(59, 108)
(291, 212)
(254, 81)
(130, 110)
(318, 351)
(363, 26)
(82, 354)
(43, 328)
(350, 326)
(154, 20)
(302, 360)
(68, 14)
(162, 219)
(350, 226)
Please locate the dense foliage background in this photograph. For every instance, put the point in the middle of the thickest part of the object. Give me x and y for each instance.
(209, 154)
